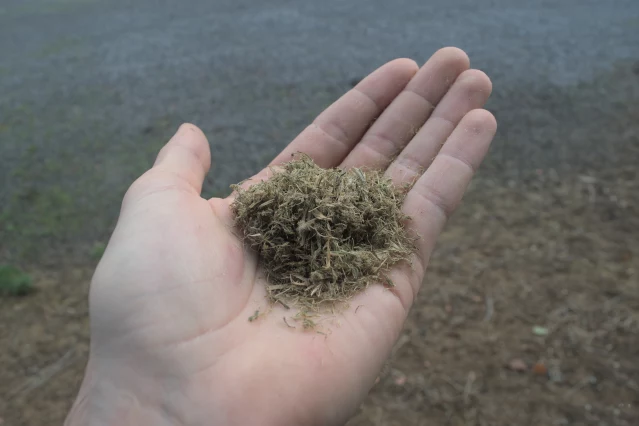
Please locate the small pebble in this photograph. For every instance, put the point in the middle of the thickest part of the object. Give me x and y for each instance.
(400, 380)
(540, 369)
(540, 331)
(517, 365)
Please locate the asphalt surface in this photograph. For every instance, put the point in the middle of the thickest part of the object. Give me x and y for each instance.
(90, 89)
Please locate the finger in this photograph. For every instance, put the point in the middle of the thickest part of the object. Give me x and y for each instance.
(336, 130)
(186, 157)
(408, 112)
(437, 193)
(470, 91)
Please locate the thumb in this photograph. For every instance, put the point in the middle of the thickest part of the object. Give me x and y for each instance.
(181, 165)
(186, 156)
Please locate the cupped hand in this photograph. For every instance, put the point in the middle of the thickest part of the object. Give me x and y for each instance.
(171, 343)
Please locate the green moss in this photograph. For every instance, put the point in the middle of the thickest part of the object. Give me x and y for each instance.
(14, 282)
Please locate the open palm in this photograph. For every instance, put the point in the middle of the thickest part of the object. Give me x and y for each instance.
(170, 300)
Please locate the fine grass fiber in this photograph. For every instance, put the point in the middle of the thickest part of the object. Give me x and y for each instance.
(323, 234)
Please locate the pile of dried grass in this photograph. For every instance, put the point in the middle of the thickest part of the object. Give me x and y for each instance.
(323, 234)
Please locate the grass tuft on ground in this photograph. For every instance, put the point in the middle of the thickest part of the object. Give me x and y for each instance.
(14, 282)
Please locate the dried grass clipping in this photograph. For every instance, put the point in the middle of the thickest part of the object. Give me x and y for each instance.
(323, 234)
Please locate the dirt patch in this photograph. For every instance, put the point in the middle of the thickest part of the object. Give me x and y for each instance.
(529, 314)
(45, 343)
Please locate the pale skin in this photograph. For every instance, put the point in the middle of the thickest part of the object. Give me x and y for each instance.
(171, 343)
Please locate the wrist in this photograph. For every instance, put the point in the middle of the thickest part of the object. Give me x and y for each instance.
(101, 401)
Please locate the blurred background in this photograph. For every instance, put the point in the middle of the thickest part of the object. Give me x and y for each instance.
(530, 311)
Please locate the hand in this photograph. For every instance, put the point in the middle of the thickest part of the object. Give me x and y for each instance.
(170, 338)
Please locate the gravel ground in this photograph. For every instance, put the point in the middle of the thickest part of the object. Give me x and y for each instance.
(91, 89)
